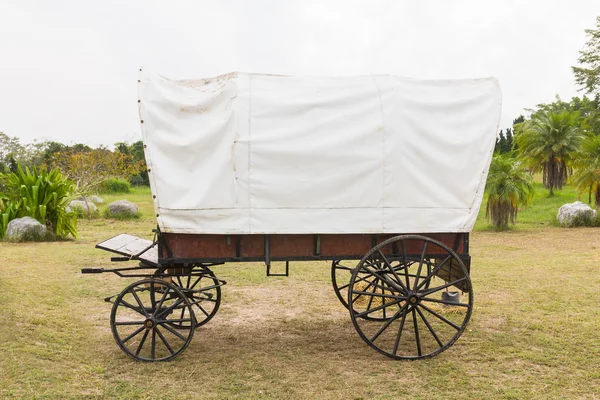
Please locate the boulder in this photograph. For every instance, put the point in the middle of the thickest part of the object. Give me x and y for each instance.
(25, 229)
(123, 208)
(571, 213)
(82, 207)
(96, 199)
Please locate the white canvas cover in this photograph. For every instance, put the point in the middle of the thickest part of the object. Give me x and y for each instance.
(249, 153)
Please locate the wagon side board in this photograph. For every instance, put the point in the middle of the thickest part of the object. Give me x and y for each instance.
(207, 248)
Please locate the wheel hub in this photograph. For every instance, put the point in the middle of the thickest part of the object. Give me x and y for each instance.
(413, 299)
(149, 323)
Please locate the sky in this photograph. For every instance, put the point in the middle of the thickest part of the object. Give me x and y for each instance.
(68, 69)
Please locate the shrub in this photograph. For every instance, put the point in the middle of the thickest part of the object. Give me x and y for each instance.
(114, 185)
(41, 195)
(138, 180)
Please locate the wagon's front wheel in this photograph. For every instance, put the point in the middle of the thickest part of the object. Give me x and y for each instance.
(410, 317)
(142, 320)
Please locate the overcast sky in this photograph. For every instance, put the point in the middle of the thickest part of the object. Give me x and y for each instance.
(68, 69)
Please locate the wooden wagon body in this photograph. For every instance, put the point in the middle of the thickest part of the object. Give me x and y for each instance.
(381, 170)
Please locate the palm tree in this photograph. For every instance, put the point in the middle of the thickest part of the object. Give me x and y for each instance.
(508, 186)
(587, 172)
(549, 141)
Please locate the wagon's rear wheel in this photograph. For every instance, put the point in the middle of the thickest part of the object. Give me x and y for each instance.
(204, 293)
(142, 320)
(409, 318)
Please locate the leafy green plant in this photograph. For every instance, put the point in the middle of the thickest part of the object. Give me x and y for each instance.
(8, 212)
(587, 173)
(549, 141)
(114, 185)
(44, 196)
(508, 187)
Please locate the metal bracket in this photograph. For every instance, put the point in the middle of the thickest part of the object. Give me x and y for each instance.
(287, 270)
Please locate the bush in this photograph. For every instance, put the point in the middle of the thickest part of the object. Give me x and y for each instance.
(114, 185)
(41, 195)
(138, 180)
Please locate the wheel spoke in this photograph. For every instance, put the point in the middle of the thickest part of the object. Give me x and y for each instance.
(170, 308)
(414, 315)
(133, 334)
(435, 336)
(162, 299)
(397, 343)
(202, 309)
(355, 282)
(152, 297)
(153, 350)
(119, 323)
(137, 298)
(139, 348)
(438, 288)
(404, 256)
(388, 323)
(420, 266)
(397, 280)
(371, 298)
(171, 321)
(371, 283)
(361, 314)
(389, 296)
(448, 303)
(195, 283)
(162, 338)
(452, 324)
(435, 270)
(174, 332)
(132, 307)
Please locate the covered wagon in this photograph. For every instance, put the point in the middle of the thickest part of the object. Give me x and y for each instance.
(383, 176)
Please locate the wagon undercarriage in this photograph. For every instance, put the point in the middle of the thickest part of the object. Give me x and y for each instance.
(410, 295)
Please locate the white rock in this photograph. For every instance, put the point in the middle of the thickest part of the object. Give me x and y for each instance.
(123, 207)
(570, 211)
(81, 207)
(25, 228)
(97, 199)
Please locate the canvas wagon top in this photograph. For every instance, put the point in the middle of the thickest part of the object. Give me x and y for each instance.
(263, 154)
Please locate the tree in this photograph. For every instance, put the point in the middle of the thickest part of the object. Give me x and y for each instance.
(509, 140)
(587, 173)
(136, 151)
(11, 151)
(587, 75)
(88, 169)
(500, 143)
(549, 142)
(508, 186)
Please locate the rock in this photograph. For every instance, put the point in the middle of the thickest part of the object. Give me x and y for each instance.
(570, 212)
(97, 200)
(123, 207)
(81, 207)
(25, 229)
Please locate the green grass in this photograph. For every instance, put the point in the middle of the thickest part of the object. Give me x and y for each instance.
(533, 334)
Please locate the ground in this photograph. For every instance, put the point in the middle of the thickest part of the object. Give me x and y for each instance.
(534, 333)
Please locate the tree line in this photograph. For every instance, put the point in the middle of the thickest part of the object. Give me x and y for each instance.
(561, 140)
(88, 167)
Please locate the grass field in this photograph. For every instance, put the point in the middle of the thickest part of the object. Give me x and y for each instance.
(534, 333)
